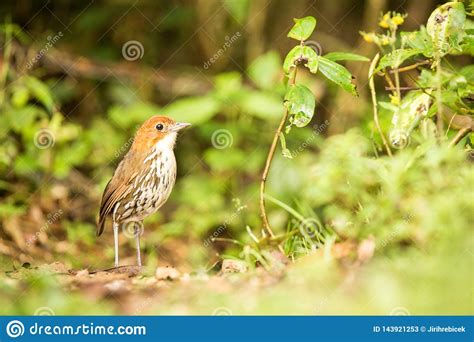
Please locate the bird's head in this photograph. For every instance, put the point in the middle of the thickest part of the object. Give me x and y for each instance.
(160, 130)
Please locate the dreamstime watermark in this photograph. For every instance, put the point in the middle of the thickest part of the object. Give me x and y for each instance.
(124, 148)
(311, 226)
(129, 229)
(132, 50)
(222, 138)
(407, 218)
(51, 218)
(228, 43)
(52, 40)
(223, 227)
(399, 138)
(222, 311)
(399, 311)
(322, 303)
(317, 130)
(15, 329)
(44, 311)
(315, 46)
(44, 139)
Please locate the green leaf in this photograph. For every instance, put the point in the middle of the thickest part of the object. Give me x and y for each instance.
(20, 96)
(301, 54)
(419, 40)
(446, 27)
(40, 91)
(468, 73)
(338, 74)
(388, 106)
(414, 107)
(300, 102)
(227, 85)
(396, 58)
(303, 28)
(238, 9)
(22, 118)
(261, 104)
(220, 161)
(291, 59)
(131, 115)
(312, 59)
(195, 110)
(467, 45)
(470, 10)
(345, 56)
(265, 70)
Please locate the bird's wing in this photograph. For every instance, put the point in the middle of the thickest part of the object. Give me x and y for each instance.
(119, 186)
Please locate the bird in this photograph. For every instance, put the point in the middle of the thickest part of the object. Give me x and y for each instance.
(143, 180)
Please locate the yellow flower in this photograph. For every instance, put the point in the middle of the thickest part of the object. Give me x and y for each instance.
(368, 37)
(385, 41)
(384, 22)
(394, 100)
(398, 20)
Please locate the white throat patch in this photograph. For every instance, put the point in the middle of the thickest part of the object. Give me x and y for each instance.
(167, 143)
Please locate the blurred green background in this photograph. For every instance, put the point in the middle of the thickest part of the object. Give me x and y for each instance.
(77, 78)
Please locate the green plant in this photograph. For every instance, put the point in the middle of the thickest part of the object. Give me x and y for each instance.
(300, 102)
(440, 90)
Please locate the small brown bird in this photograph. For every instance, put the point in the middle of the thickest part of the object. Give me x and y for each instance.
(143, 180)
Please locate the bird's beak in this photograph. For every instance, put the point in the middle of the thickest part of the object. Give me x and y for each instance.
(178, 126)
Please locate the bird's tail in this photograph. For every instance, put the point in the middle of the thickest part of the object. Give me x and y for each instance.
(101, 225)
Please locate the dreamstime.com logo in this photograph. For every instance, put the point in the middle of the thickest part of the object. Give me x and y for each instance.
(222, 139)
(15, 329)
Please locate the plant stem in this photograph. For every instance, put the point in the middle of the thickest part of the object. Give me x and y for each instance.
(461, 134)
(6, 60)
(439, 101)
(271, 154)
(395, 71)
(407, 88)
(374, 103)
(410, 67)
(389, 81)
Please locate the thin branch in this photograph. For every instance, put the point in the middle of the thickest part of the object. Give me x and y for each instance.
(395, 71)
(408, 88)
(237, 242)
(389, 81)
(439, 101)
(409, 67)
(461, 134)
(167, 81)
(271, 153)
(374, 103)
(6, 60)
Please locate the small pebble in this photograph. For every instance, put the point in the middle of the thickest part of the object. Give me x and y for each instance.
(233, 266)
(116, 286)
(167, 273)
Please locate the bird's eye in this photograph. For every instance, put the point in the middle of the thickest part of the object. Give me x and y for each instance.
(159, 127)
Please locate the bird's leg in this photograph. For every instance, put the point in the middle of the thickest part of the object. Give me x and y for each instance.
(137, 239)
(116, 234)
